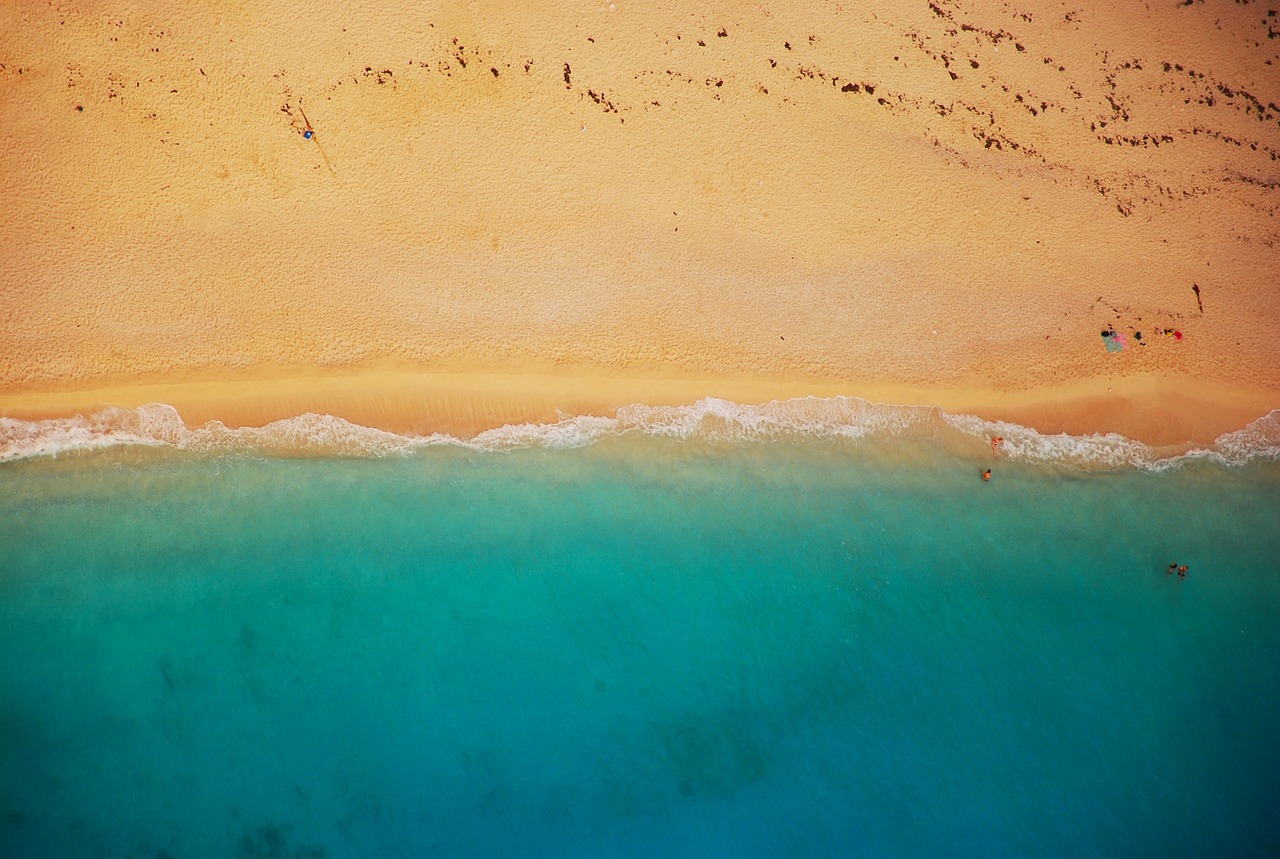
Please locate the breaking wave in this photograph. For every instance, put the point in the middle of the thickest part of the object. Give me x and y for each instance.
(708, 420)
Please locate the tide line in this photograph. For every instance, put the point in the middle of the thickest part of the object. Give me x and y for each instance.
(710, 419)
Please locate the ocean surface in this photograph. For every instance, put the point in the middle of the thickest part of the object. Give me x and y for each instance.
(740, 642)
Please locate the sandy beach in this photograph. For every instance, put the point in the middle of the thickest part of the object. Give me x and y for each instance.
(464, 215)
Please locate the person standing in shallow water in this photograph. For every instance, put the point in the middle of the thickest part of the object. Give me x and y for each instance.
(986, 475)
(1173, 568)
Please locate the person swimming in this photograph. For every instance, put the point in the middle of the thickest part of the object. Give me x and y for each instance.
(986, 475)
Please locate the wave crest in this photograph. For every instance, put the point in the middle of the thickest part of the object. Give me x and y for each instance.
(708, 420)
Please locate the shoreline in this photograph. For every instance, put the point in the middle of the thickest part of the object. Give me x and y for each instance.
(1155, 409)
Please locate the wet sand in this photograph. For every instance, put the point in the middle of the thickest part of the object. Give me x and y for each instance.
(507, 215)
(1154, 410)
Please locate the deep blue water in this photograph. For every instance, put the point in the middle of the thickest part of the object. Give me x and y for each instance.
(641, 648)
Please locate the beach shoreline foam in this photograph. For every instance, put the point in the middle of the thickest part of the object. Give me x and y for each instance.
(464, 401)
(392, 413)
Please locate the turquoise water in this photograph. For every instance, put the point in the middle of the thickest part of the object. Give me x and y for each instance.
(639, 648)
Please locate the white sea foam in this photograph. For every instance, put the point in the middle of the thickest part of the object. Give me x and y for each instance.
(707, 420)
(1109, 450)
(1259, 440)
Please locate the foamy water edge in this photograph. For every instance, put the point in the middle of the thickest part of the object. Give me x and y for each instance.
(709, 419)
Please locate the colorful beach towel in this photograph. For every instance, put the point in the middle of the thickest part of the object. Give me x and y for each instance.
(1114, 341)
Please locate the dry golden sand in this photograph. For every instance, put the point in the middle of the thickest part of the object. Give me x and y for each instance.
(543, 207)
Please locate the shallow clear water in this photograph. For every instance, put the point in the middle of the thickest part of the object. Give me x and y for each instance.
(639, 648)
